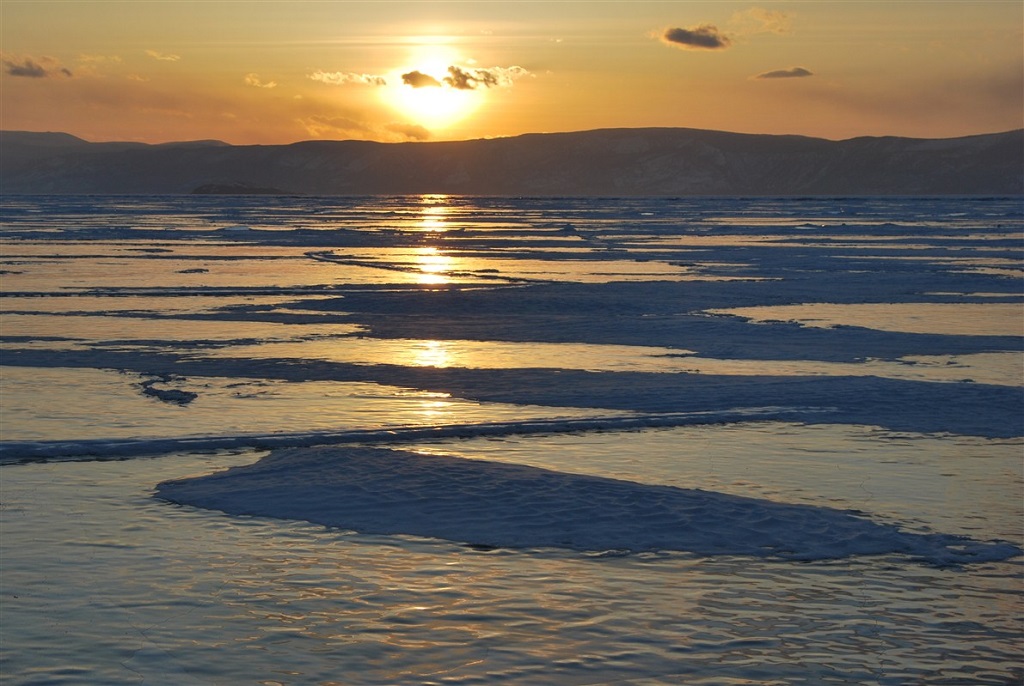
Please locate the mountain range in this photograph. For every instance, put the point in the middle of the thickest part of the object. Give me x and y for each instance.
(604, 162)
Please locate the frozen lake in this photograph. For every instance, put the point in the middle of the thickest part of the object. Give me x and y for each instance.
(485, 440)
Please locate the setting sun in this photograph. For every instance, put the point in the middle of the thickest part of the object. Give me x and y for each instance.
(427, 91)
(433, 107)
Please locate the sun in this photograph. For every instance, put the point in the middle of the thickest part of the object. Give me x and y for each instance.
(419, 93)
(434, 106)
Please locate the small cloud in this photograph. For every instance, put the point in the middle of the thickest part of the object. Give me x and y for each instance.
(254, 80)
(340, 78)
(33, 68)
(163, 57)
(497, 76)
(462, 80)
(703, 37)
(26, 67)
(793, 73)
(469, 79)
(95, 65)
(320, 126)
(759, 20)
(411, 131)
(99, 59)
(418, 79)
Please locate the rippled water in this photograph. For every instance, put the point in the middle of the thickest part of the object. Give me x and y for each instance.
(877, 341)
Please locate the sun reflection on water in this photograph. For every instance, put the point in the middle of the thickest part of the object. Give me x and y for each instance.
(433, 213)
(434, 266)
(431, 354)
(437, 411)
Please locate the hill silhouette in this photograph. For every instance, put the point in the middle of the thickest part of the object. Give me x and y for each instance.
(605, 162)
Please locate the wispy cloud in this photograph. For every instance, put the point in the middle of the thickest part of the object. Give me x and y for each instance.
(163, 56)
(255, 81)
(703, 37)
(410, 131)
(33, 68)
(321, 126)
(340, 78)
(357, 124)
(792, 73)
(759, 20)
(99, 59)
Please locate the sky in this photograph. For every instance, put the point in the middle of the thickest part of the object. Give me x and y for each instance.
(273, 72)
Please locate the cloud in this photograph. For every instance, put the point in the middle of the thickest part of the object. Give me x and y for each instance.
(792, 73)
(320, 126)
(361, 125)
(254, 80)
(411, 131)
(97, 66)
(462, 80)
(465, 79)
(759, 20)
(99, 59)
(27, 68)
(703, 37)
(33, 68)
(418, 79)
(163, 57)
(340, 78)
(469, 79)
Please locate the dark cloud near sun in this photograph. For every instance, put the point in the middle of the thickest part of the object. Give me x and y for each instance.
(467, 79)
(703, 37)
(792, 73)
(418, 79)
(30, 67)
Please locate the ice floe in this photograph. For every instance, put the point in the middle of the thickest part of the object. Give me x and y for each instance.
(494, 504)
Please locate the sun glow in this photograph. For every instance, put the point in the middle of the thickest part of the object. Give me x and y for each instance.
(420, 93)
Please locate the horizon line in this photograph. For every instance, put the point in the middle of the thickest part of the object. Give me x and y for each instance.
(509, 137)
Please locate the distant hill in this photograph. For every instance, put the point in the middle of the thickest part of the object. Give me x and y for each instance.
(609, 162)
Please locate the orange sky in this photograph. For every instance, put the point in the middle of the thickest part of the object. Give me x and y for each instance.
(283, 71)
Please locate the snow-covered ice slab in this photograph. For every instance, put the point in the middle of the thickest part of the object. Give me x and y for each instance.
(494, 504)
